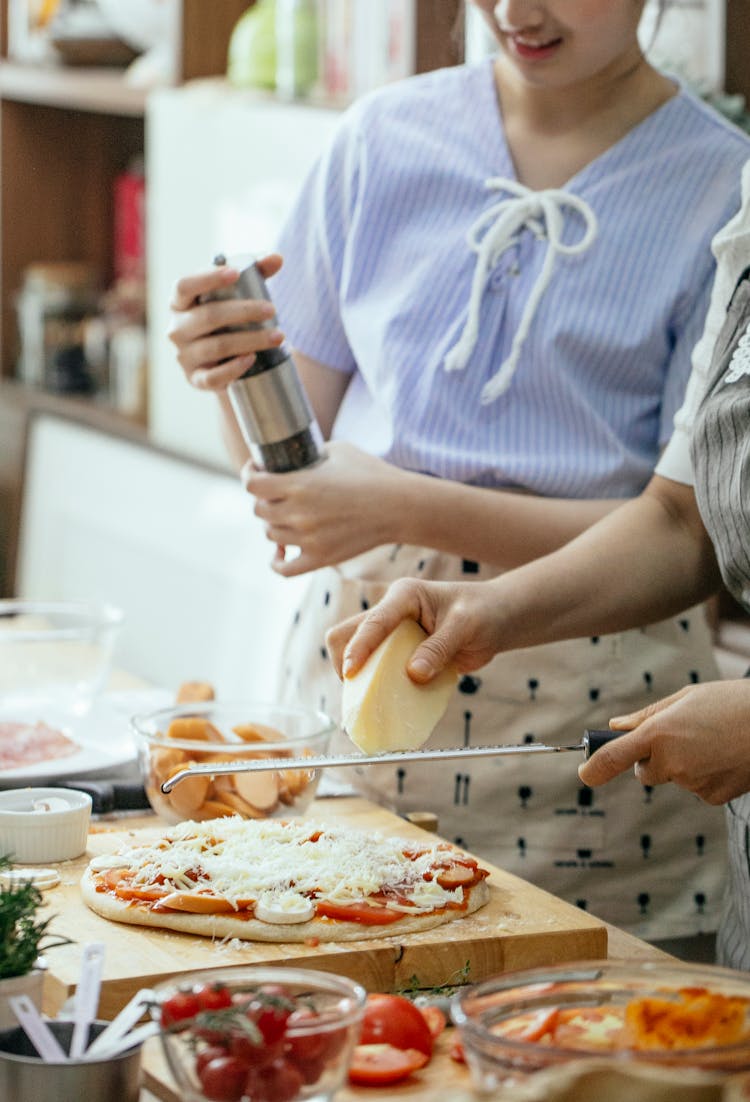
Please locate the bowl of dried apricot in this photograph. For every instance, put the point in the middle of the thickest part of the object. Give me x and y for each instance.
(665, 1013)
(203, 739)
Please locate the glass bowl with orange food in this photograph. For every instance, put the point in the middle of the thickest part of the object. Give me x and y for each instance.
(213, 733)
(650, 1012)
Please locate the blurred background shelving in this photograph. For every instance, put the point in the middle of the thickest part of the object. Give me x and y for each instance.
(69, 132)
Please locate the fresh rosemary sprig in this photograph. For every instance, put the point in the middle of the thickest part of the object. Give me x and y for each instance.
(458, 979)
(22, 935)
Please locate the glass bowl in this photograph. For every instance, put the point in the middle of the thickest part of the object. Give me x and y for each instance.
(259, 1034)
(641, 1011)
(173, 739)
(54, 654)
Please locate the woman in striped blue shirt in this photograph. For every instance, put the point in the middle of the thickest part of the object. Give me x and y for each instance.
(493, 280)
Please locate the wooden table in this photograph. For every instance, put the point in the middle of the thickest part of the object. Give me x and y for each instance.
(443, 1077)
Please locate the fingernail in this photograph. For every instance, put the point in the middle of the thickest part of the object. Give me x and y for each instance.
(267, 310)
(275, 335)
(421, 669)
(347, 665)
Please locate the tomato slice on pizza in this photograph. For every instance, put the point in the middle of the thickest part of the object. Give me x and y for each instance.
(284, 881)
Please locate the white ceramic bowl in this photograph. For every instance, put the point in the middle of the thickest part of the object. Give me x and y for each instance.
(30, 834)
(54, 653)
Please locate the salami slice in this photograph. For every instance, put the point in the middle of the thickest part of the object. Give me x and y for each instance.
(29, 743)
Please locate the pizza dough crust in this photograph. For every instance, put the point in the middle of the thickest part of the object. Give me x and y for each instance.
(227, 926)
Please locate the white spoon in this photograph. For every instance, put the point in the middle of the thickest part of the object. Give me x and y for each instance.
(87, 996)
(34, 1026)
(121, 1025)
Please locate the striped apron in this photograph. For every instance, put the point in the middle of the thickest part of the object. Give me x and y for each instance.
(721, 461)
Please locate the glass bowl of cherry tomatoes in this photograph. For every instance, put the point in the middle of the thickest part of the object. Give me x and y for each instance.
(670, 1015)
(259, 1034)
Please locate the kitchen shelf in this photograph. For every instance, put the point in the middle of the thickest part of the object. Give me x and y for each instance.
(101, 90)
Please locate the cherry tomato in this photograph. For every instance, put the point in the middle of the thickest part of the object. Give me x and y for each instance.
(223, 1079)
(270, 1018)
(307, 1048)
(310, 1070)
(436, 1020)
(274, 1082)
(206, 1055)
(394, 1020)
(178, 1008)
(213, 997)
(380, 1065)
(246, 1049)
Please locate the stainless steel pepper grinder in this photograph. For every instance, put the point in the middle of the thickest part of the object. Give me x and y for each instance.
(269, 401)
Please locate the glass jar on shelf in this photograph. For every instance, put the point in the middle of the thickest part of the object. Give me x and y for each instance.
(55, 300)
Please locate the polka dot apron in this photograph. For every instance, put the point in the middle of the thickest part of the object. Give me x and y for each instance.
(650, 860)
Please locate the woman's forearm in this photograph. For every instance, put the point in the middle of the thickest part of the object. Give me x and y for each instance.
(499, 527)
(649, 559)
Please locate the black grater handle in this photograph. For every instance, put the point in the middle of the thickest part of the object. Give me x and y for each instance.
(594, 740)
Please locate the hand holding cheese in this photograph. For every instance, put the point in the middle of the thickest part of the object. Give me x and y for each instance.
(383, 709)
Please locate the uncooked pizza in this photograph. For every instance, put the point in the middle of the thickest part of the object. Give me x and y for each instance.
(24, 744)
(272, 880)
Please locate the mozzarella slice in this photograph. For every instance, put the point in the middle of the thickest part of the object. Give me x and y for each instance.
(283, 908)
(40, 878)
(383, 709)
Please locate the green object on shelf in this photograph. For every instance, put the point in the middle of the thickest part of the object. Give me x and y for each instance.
(251, 61)
(296, 47)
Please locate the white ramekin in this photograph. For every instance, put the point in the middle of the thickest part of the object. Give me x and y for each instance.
(38, 837)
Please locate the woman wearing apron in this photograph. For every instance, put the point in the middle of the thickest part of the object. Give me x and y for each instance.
(490, 396)
(699, 738)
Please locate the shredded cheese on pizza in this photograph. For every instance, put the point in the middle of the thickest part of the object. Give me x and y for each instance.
(243, 860)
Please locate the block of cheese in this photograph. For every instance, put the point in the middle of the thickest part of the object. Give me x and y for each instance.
(382, 708)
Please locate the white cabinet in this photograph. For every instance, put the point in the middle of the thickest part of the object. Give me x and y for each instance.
(223, 168)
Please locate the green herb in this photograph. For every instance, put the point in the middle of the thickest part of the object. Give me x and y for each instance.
(22, 935)
(458, 979)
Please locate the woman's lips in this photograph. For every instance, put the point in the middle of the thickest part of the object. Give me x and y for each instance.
(535, 51)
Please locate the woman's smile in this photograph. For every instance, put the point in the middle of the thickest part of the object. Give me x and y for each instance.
(533, 49)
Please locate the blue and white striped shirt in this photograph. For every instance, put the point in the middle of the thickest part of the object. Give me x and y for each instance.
(378, 276)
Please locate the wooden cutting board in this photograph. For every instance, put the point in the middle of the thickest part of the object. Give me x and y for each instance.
(520, 927)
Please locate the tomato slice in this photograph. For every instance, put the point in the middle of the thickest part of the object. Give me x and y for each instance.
(436, 1020)
(365, 913)
(456, 1051)
(381, 1065)
(531, 1027)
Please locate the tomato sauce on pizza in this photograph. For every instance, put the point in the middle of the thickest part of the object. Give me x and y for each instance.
(272, 880)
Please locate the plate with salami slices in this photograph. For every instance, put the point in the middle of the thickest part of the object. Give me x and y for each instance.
(50, 743)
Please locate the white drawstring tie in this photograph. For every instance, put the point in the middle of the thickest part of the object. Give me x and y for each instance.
(490, 236)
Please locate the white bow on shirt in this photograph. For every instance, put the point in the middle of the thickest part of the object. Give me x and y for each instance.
(490, 236)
